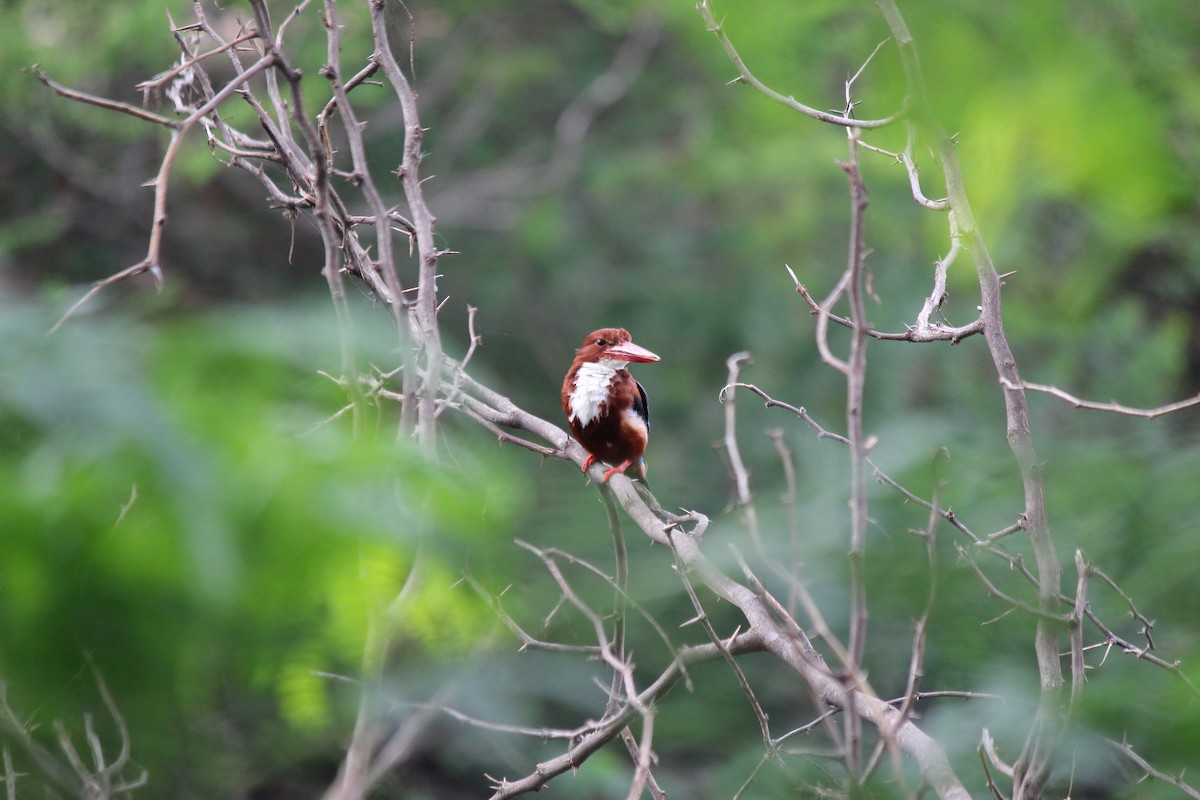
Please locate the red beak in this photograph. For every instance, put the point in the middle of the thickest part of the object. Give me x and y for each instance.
(628, 351)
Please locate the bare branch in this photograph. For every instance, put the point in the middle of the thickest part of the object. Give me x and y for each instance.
(1177, 781)
(102, 779)
(905, 157)
(1014, 562)
(920, 628)
(151, 263)
(10, 775)
(611, 727)
(425, 322)
(741, 477)
(569, 734)
(1034, 765)
(1112, 406)
(644, 756)
(1015, 603)
(789, 504)
(103, 102)
(528, 642)
(744, 75)
(99, 286)
(374, 749)
(930, 332)
(1075, 622)
(1146, 623)
(743, 682)
(156, 83)
(610, 652)
(636, 752)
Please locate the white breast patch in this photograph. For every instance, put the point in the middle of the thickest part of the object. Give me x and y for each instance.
(591, 388)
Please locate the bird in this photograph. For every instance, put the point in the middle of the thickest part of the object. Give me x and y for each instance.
(606, 408)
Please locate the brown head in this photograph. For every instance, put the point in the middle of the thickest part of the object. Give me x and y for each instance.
(612, 344)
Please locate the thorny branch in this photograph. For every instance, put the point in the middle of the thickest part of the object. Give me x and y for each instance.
(1150, 771)
(987, 544)
(737, 467)
(922, 331)
(1033, 767)
(856, 375)
(1114, 407)
(746, 76)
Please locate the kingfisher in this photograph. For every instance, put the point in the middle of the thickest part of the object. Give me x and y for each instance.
(606, 408)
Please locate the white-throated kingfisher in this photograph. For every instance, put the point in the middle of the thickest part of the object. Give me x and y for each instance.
(606, 408)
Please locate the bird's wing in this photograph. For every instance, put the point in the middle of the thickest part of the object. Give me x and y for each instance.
(641, 405)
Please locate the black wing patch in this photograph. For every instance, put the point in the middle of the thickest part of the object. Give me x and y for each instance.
(641, 405)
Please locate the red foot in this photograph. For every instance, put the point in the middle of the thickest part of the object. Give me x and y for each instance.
(608, 473)
(587, 462)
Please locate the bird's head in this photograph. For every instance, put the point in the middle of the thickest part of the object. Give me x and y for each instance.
(612, 345)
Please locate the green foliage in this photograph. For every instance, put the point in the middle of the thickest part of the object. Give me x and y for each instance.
(178, 507)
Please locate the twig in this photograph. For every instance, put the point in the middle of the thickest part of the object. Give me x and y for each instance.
(644, 756)
(611, 727)
(702, 617)
(1147, 623)
(1075, 623)
(10, 775)
(528, 642)
(609, 652)
(789, 504)
(621, 572)
(1177, 781)
(137, 269)
(856, 375)
(920, 628)
(570, 734)
(102, 779)
(753, 774)
(151, 262)
(932, 332)
(991, 588)
(158, 81)
(636, 752)
(746, 76)
(103, 102)
(1112, 406)
(625, 599)
(741, 476)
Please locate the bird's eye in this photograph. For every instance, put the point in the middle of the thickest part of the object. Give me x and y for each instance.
(601, 343)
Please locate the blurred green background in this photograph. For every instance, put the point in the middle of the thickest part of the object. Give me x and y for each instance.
(177, 505)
